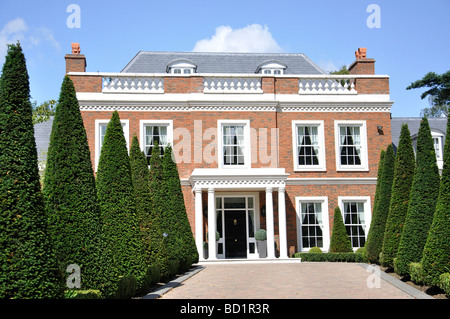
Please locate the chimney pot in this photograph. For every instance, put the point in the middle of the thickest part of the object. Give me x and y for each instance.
(361, 53)
(76, 48)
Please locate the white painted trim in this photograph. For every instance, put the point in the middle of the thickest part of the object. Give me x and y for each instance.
(331, 181)
(367, 209)
(126, 133)
(325, 220)
(247, 143)
(364, 152)
(321, 131)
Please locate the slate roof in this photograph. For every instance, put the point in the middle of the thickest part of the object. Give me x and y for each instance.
(436, 124)
(156, 62)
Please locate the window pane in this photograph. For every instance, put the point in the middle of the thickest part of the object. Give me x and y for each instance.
(311, 228)
(354, 222)
(350, 145)
(308, 145)
(233, 145)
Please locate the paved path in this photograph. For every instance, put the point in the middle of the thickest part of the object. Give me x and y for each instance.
(290, 280)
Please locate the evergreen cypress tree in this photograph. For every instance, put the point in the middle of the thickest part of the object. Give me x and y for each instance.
(401, 188)
(123, 248)
(69, 191)
(375, 237)
(422, 203)
(155, 252)
(159, 205)
(186, 243)
(28, 266)
(340, 242)
(436, 254)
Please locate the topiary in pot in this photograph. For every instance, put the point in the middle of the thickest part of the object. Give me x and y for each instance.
(315, 250)
(261, 237)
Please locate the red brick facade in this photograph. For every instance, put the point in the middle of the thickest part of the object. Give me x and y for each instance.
(271, 136)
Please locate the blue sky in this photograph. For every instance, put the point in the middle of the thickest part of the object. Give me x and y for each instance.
(412, 38)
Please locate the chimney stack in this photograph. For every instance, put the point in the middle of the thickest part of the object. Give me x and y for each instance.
(75, 62)
(362, 64)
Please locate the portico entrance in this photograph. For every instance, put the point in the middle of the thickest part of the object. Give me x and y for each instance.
(237, 218)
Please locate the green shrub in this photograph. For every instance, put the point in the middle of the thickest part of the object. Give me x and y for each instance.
(83, 294)
(123, 250)
(444, 283)
(424, 194)
(416, 273)
(330, 257)
(173, 265)
(315, 250)
(126, 287)
(340, 242)
(28, 265)
(375, 236)
(261, 234)
(436, 253)
(401, 188)
(69, 191)
(180, 229)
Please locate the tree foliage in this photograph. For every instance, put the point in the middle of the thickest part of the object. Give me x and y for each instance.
(375, 237)
(438, 93)
(28, 267)
(436, 253)
(123, 248)
(401, 188)
(422, 203)
(42, 112)
(185, 242)
(340, 242)
(70, 193)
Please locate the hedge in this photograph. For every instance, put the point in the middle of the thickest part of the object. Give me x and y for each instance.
(401, 188)
(444, 283)
(423, 197)
(331, 257)
(70, 193)
(28, 265)
(375, 236)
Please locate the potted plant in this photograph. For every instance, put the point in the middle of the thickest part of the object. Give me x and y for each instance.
(261, 243)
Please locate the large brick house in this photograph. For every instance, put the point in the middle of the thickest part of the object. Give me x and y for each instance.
(265, 141)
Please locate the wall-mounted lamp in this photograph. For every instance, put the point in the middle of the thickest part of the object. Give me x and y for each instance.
(380, 129)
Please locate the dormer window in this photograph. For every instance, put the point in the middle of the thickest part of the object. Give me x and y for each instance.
(181, 67)
(271, 68)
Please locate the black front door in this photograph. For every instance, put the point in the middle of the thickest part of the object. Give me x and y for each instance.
(235, 234)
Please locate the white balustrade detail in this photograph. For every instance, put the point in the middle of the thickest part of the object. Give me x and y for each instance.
(327, 86)
(134, 84)
(231, 85)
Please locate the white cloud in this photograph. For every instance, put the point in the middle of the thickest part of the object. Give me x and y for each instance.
(252, 38)
(18, 30)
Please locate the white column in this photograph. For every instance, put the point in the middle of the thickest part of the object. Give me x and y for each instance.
(211, 225)
(282, 222)
(269, 224)
(199, 222)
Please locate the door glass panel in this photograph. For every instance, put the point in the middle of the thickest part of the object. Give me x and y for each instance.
(234, 202)
(250, 202)
(251, 224)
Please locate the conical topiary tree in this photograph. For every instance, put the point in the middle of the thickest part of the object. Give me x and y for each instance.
(375, 237)
(436, 254)
(70, 193)
(422, 203)
(159, 205)
(28, 266)
(340, 242)
(401, 188)
(123, 248)
(186, 243)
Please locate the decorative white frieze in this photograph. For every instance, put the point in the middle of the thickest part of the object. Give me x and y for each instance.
(327, 86)
(231, 85)
(135, 84)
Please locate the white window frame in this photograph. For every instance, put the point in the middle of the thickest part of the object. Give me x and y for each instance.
(144, 123)
(184, 67)
(364, 147)
(269, 68)
(325, 220)
(247, 145)
(321, 131)
(439, 155)
(126, 133)
(367, 211)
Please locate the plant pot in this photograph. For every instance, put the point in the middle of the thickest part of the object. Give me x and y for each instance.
(262, 248)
